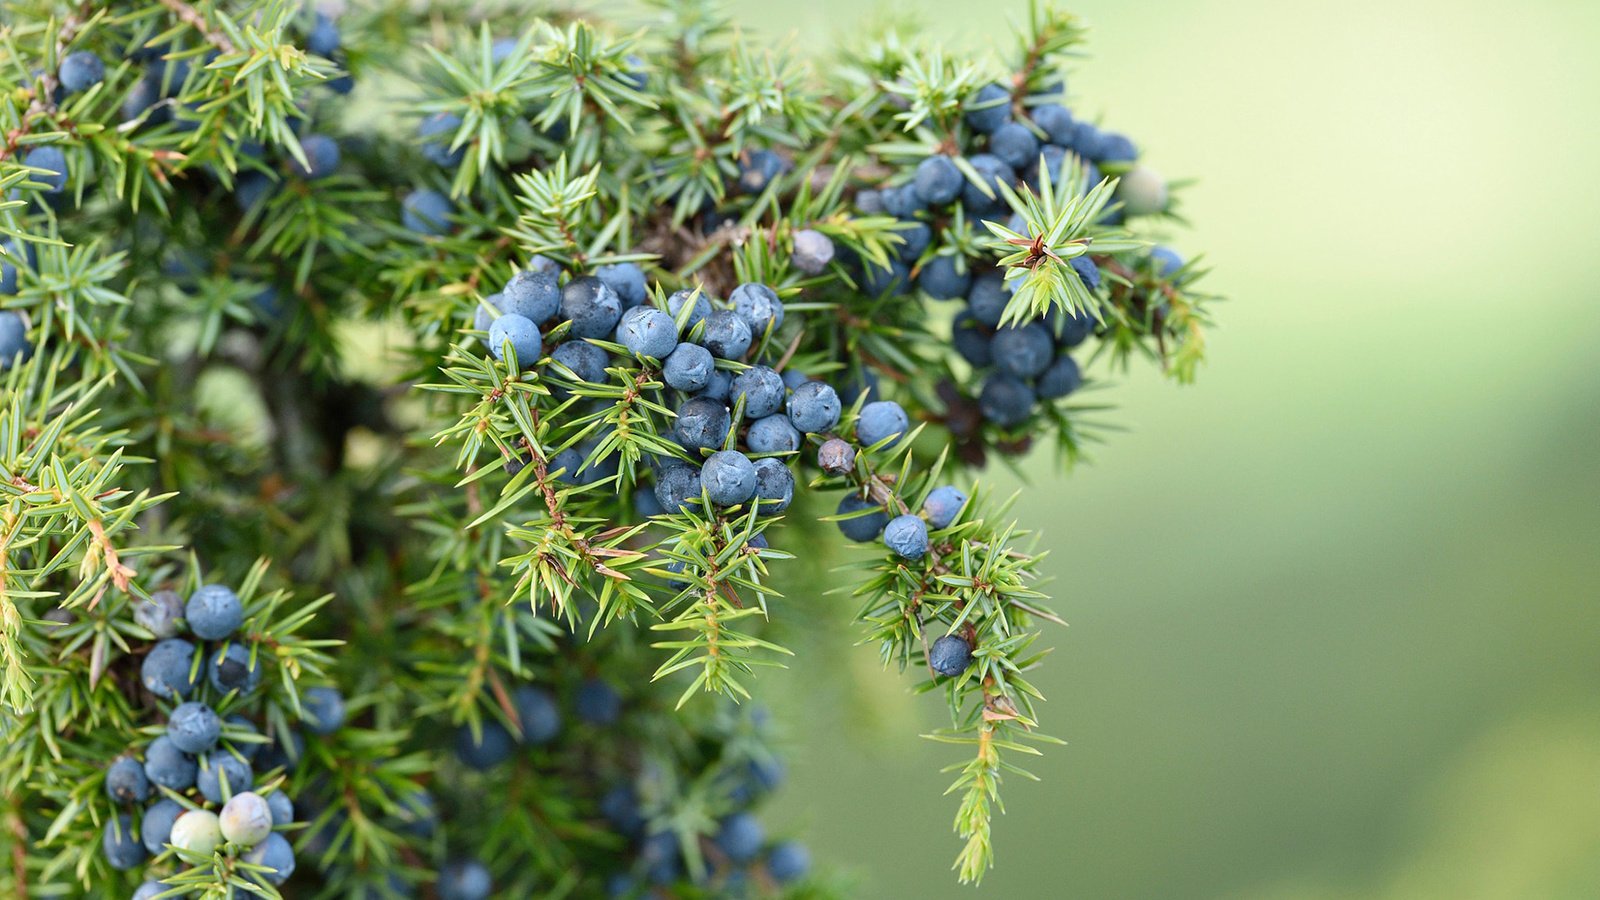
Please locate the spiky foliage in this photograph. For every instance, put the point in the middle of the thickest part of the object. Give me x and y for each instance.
(238, 352)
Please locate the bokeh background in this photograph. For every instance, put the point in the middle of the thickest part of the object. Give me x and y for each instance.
(1335, 610)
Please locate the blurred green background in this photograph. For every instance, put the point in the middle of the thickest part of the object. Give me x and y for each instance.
(1335, 613)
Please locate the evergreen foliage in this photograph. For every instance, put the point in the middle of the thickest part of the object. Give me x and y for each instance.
(417, 421)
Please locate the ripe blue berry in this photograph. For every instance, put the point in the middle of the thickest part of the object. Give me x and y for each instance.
(759, 307)
(884, 419)
(532, 294)
(814, 407)
(593, 308)
(757, 168)
(233, 670)
(1113, 147)
(322, 157)
(1015, 144)
(627, 281)
(464, 879)
(159, 613)
(774, 486)
(1167, 261)
(989, 109)
(1057, 122)
(620, 807)
(971, 341)
(438, 132)
(762, 390)
(121, 844)
(648, 332)
(587, 362)
(51, 159)
(1088, 272)
(729, 478)
(281, 807)
(950, 655)
(214, 612)
(246, 819)
(1061, 379)
(491, 747)
(1072, 330)
(794, 378)
(426, 211)
(537, 713)
(1006, 400)
(222, 775)
(727, 335)
(943, 278)
(276, 855)
(772, 434)
(168, 766)
(877, 281)
(938, 180)
(836, 456)
(322, 709)
(688, 367)
(237, 732)
(155, 828)
(597, 703)
(149, 890)
(988, 299)
(284, 752)
(903, 201)
(864, 528)
(251, 189)
(662, 858)
(11, 252)
(740, 837)
(788, 862)
(1023, 351)
(1051, 159)
(718, 386)
(166, 670)
(126, 781)
(813, 250)
(324, 39)
(943, 505)
(80, 71)
(678, 488)
(1143, 192)
(907, 536)
(915, 238)
(992, 172)
(702, 424)
(697, 312)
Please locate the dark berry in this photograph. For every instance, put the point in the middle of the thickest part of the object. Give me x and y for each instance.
(426, 211)
(597, 703)
(533, 294)
(648, 332)
(762, 391)
(971, 341)
(950, 655)
(814, 407)
(438, 132)
(989, 109)
(159, 613)
(943, 505)
(772, 434)
(861, 528)
(322, 157)
(727, 335)
(223, 775)
(1061, 379)
(740, 837)
(907, 536)
(698, 310)
(728, 477)
(759, 307)
(214, 612)
(155, 827)
(233, 670)
(774, 485)
(938, 180)
(1015, 144)
(944, 278)
(169, 767)
(688, 367)
(1006, 400)
(276, 855)
(193, 727)
(126, 781)
(592, 307)
(537, 714)
(491, 747)
(882, 420)
(627, 281)
(1023, 351)
(80, 71)
(121, 843)
(587, 362)
(464, 879)
(167, 670)
(322, 709)
(702, 423)
(992, 172)
(1056, 121)
(678, 488)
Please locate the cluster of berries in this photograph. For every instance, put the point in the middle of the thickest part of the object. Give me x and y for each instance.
(213, 779)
